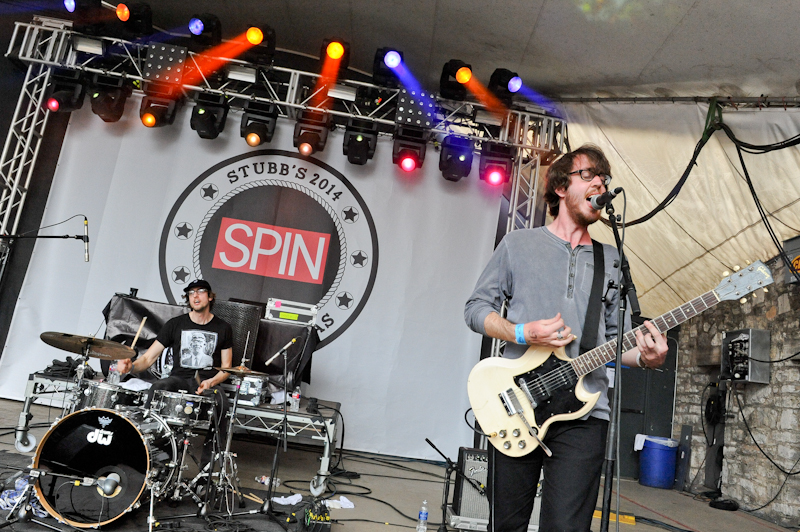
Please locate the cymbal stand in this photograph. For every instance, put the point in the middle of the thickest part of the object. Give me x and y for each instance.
(22, 511)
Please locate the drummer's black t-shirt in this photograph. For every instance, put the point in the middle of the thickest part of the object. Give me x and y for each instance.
(195, 346)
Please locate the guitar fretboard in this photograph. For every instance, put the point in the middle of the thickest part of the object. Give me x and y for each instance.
(599, 356)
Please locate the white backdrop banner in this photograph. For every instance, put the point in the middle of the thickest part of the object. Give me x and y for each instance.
(389, 257)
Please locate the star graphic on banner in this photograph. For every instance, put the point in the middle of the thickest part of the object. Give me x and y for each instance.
(350, 215)
(180, 274)
(359, 258)
(183, 231)
(209, 192)
(344, 300)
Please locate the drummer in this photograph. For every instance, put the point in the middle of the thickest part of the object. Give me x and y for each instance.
(199, 340)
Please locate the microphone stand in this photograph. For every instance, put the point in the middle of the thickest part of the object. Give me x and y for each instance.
(446, 495)
(612, 440)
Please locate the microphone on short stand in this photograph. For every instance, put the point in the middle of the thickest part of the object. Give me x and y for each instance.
(599, 200)
(85, 239)
(282, 349)
(110, 484)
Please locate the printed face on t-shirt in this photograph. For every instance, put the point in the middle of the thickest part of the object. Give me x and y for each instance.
(197, 348)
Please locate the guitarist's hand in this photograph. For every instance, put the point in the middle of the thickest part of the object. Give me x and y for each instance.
(652, 346)
(550, 332)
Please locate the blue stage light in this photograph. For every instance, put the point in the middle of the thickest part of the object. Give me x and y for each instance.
(196, 26)
(70, 5)
(514, 84)
(392, 59)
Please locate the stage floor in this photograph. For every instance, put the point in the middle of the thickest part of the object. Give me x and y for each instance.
(389, 490)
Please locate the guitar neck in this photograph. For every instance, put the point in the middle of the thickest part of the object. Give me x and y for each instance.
(599, 356)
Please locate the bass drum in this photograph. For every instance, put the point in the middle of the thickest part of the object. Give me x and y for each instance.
(140, 448)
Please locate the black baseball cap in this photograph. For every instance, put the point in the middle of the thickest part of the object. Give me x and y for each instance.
(198, 283)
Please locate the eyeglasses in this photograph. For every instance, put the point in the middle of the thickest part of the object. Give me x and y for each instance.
(197, 291)
(587, 174)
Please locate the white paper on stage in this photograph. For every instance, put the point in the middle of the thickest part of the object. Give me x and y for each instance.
(399, 370)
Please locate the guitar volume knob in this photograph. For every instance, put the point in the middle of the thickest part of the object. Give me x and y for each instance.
(521, 444)
(506, 445)
(516, 433)
(502, 433)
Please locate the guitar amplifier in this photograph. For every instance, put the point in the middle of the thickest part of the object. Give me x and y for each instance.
(469, 505)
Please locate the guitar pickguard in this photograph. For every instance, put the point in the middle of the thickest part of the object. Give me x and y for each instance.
(550, 388)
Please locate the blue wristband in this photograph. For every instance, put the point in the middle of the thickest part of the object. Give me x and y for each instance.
(519, 331)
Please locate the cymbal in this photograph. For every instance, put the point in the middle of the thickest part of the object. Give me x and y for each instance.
(94, 347)
(241, 371)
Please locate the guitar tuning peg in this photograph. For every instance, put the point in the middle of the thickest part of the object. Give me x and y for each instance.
(743, 300)
(726, 273)
(754, 295)
(736, 268)
(747, 262)
(765, 290)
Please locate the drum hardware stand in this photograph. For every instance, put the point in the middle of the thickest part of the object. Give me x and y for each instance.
(22, 512)
(229, 472)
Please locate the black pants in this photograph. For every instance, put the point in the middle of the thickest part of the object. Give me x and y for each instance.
(175, 384)
(571, 480)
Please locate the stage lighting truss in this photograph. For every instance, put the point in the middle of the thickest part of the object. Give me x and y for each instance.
(65, 91)
(497, 162)
(311, 131)
(108, 95)
(205, 31)
(209, 115)
(455, 157)
(360, 140)
(409, 147)
(383, 67)
(160, 104)
(455, 74)
(258, 122)
(504, 84)
(88, 15)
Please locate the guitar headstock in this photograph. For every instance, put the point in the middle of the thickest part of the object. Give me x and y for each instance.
(743, 281)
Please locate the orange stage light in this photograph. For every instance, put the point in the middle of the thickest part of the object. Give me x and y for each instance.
(255, 36)
(463, 75)
(335, 50)
(149, 120)
(123, 13)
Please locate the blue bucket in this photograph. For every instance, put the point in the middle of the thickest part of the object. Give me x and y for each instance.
(657, 462)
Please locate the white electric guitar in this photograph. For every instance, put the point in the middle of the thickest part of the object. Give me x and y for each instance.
(516, 400)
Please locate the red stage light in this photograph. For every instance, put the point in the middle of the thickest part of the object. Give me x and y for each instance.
(335, 50)
(255, 36)
(123, 13)
(408, 163)
(495, 177)
(53, 104)
(463, 75)
(305, 149)
(149, 119)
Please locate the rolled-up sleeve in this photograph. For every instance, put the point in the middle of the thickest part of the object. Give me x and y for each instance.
(493, 287)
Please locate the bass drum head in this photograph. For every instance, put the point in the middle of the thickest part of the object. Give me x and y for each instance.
(91, 443)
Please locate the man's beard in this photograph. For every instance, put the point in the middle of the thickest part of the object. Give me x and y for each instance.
(573, 204)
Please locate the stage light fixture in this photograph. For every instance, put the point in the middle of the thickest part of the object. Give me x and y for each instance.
(262, 37)
(258, 122)
(205, 30)
(136, 18)
(383, 67)
(108, 95)
(209, 114)
(455, 74)
(311, 131)
(504, 83)
(336, 50)
(409, 147)
(160, 104)
(65, 91)
(497, 161)
(88, 15)
(360, 140)
(455, 157)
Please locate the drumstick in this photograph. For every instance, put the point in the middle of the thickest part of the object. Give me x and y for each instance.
(141, 326)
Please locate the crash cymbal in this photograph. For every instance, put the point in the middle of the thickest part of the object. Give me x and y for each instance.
(97, 347)
(241, 371)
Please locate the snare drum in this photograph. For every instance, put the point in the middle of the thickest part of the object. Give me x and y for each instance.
(136, 445)
(106, 395)
(184, 409)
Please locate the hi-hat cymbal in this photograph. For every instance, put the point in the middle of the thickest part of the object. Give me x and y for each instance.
(241, 371)
(93, 347)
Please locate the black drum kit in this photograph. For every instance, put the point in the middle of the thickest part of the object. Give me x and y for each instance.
(109, 454)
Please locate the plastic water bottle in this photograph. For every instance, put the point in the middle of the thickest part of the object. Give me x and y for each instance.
(113, 374)
(263, 479)
(294, 403)
(422, 525)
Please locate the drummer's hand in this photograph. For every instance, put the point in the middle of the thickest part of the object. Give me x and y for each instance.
(205, 385)
(125, 365)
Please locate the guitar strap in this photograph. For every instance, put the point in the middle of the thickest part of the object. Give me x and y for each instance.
(592, 322)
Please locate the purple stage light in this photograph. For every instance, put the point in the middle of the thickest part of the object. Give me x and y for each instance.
(392, 59)
(70, 5)
(196, 26)
(514, 84)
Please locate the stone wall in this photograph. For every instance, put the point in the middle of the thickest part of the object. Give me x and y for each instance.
(772, 410)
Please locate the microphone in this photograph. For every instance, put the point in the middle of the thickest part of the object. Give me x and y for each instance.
(282, 349)
(287, 346)
(109, 485)
(85, 239)
(598, 200)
